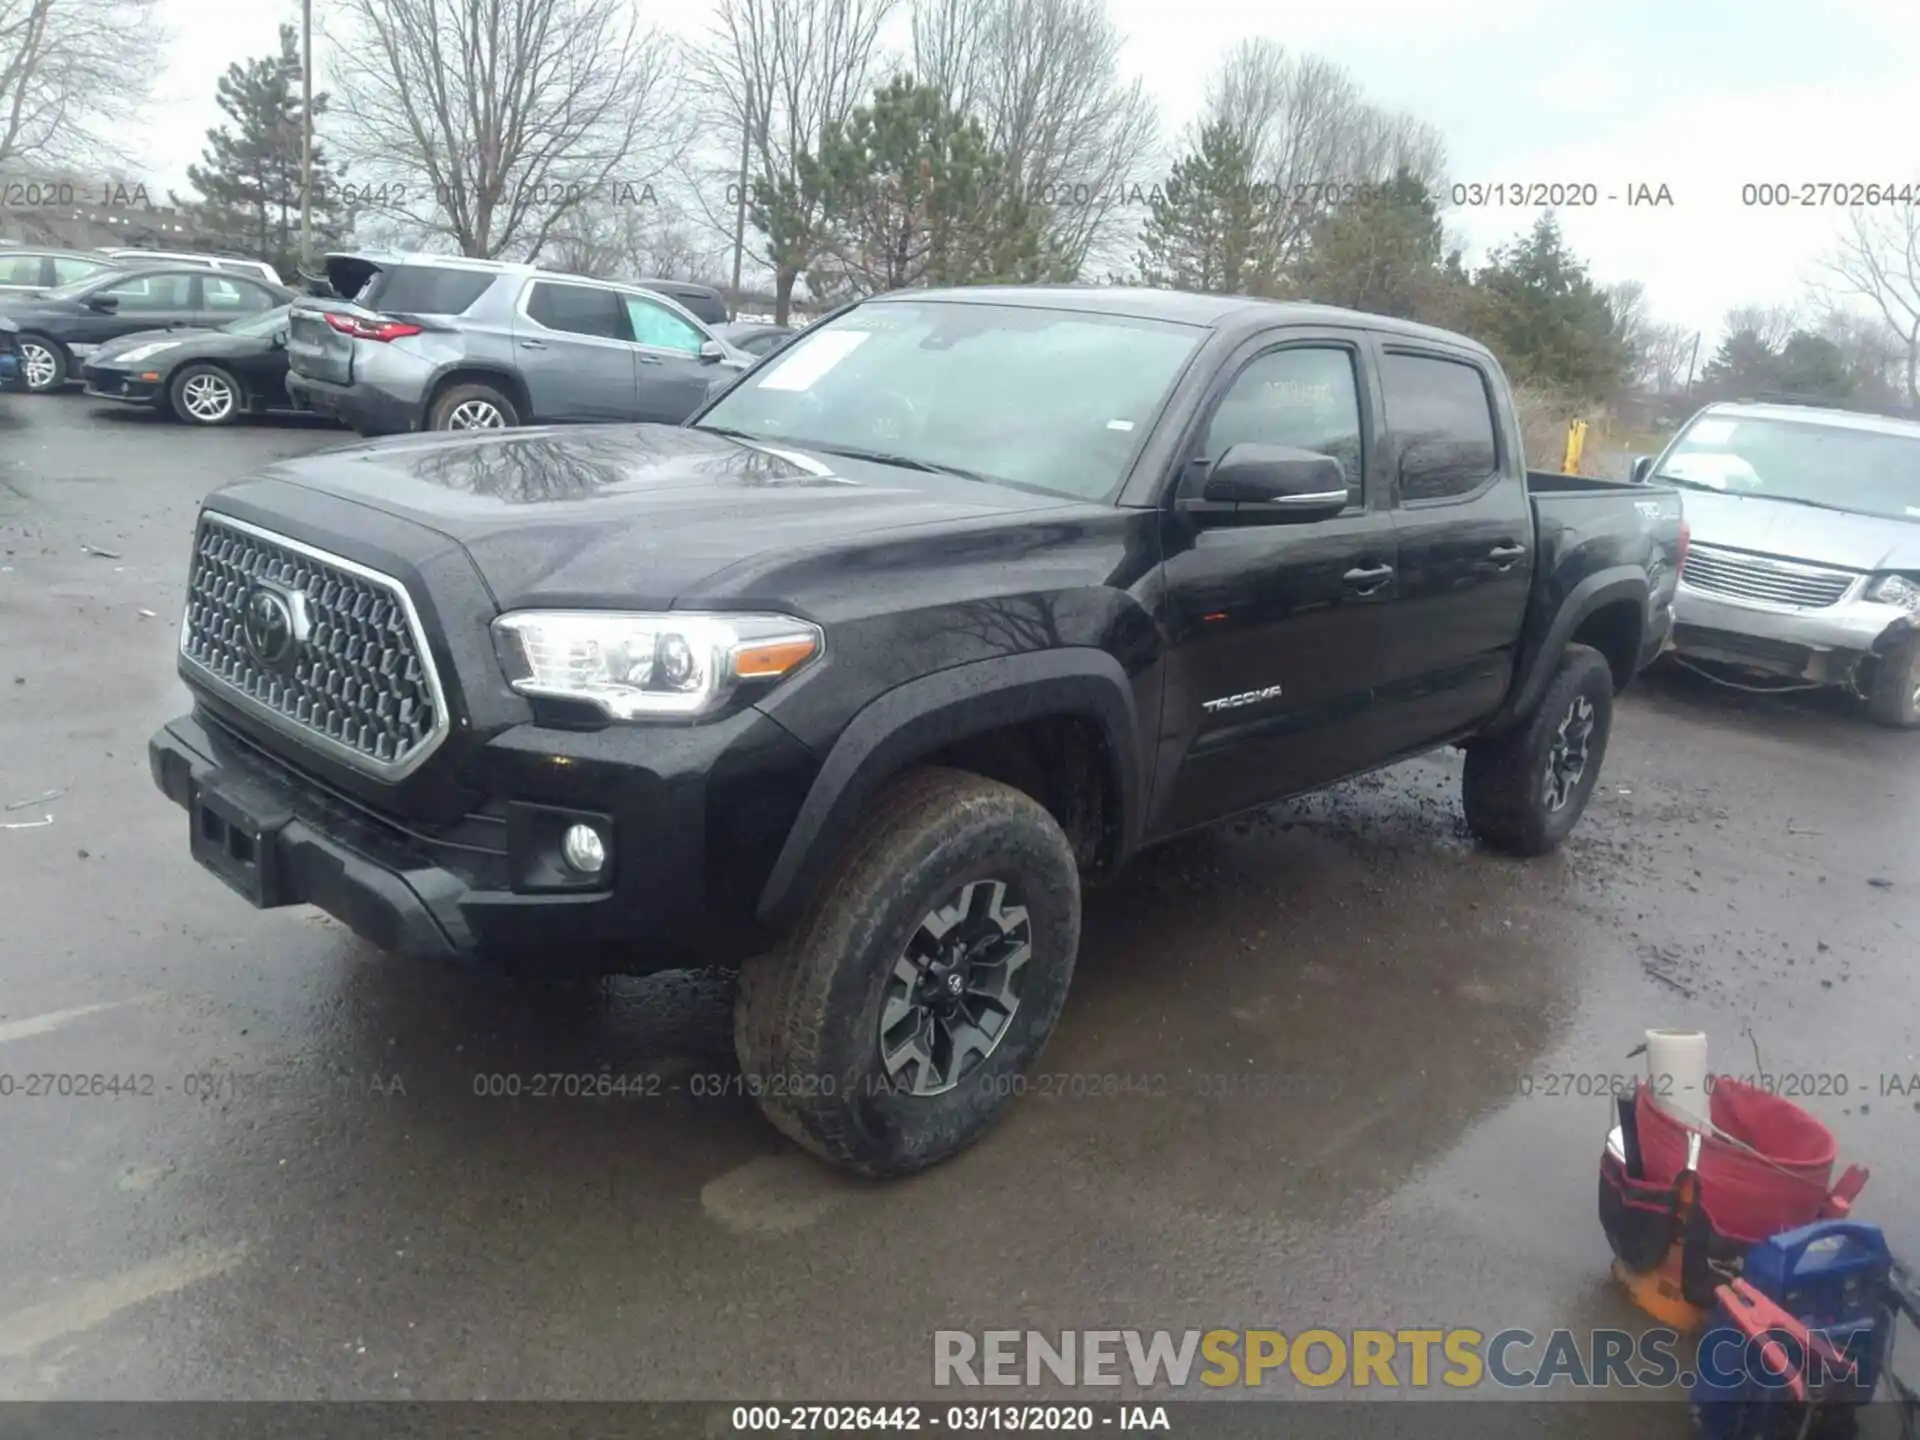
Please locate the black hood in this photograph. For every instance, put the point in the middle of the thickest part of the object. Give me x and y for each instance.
(635, 515)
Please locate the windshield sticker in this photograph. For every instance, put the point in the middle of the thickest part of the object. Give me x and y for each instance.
(1120, 424)
(802, 369)
(1711, 432)
(1711, 470)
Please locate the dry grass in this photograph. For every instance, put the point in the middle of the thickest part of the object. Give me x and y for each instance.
(1611, 443)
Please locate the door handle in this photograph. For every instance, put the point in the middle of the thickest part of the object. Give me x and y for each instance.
(1503, 556)
(1368, 578)
(648, 359)
(533, 344)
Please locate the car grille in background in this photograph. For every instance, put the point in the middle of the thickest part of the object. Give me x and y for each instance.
(1738, 576)
(362, 685)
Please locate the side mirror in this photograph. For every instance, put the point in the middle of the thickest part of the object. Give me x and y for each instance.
(103, 304)
(1276, 482)
(1643, 468)
(712, 351)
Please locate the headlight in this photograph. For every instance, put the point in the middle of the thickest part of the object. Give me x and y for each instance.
(141, 352)
(634, 666)
(1895, 590)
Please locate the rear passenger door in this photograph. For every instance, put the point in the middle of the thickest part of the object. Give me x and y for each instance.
(1465, 529)
(226, 298)
(671, 378)
(575, 352)
(142, 302)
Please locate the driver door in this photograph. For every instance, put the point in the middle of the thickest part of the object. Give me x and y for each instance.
(142, 302)
(671, 381)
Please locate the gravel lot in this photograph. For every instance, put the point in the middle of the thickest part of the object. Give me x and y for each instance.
(315, 1203)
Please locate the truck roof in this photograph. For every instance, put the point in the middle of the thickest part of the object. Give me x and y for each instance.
(1214, 312)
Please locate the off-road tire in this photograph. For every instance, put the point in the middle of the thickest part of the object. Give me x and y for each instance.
(454, 396)
(807, 1014)
(62, 366)
(1891, 701)
(1506, 784)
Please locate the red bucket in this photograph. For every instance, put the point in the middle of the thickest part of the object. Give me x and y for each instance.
(1746, 1198)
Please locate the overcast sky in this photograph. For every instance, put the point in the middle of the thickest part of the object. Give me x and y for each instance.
(1701, 96)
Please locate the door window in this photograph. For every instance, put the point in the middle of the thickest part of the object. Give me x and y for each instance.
(20, 270)
(578, 310)
(1305, 397)
(659, 327)
(67, 269)
(153, 292)
(230, 298)
(1442, 421)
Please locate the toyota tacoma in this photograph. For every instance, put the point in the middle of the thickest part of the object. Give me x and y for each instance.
(957, 601)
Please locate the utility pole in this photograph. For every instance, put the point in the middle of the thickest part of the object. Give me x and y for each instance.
(306, 139)
(740, 199)
(1692, 356)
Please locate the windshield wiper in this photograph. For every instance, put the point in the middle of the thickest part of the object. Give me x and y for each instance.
(886, 457)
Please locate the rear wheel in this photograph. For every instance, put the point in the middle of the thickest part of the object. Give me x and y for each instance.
(43, 364)
(473, 407)
(896, 1023)
(205, 395)
(1894, 700)
(1525, 790)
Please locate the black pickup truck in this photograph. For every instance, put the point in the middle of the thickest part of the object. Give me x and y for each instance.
(959, 599)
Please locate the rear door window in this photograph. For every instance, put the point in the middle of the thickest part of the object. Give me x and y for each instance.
(579, 310)
(21, 270)
(425, 289)
(1441, 414)
(69, 268)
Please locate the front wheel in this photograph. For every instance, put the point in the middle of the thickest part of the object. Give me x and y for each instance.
(205, 395)
(1894, 700)
(473, 407)
(1526, 789)
(901, 1017)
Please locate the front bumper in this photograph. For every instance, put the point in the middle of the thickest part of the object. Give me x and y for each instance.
(693, 817)
(1826, 646)
(119, 385)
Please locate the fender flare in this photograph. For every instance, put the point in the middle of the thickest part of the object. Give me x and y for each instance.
(924, 715)
(1606, 587)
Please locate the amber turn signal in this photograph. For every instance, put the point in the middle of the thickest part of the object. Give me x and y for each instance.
(773, 657)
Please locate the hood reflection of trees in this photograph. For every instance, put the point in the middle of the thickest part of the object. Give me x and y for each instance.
(530, 469)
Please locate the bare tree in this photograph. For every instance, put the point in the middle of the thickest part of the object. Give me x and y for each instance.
(1314, 136)
(67, 68)
(1874, 352)
(496, 119)
(1771, 325)
(1878, 259)
(1668, 350)
(623, 242)
(776, 74)
(1042, 78)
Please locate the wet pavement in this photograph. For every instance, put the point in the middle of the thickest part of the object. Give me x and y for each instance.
(1332, 1067)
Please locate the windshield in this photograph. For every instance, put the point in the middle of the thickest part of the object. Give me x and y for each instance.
(264, 323)
(1869, 472)
(1049, 400)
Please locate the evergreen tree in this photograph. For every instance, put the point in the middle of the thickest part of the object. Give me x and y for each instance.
(1383, 251)
(249, 176)
(910, 193)
(1536, 307)
(1204, 228)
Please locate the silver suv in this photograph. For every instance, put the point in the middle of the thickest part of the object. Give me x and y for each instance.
(433, 342)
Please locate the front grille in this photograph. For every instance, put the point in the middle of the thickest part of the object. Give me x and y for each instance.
(356, 678)
(1740, 576)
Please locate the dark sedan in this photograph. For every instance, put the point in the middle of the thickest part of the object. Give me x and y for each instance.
(204, 377)
(61, 328)
(755, 338)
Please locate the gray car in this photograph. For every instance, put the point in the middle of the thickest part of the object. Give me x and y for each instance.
(26, 270)
(1805, 558)
(432, 342)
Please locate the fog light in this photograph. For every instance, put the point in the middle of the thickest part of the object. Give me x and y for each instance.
(583, 849)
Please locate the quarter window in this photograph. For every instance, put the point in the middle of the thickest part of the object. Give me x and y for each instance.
(1304, 397)
(1441, 417)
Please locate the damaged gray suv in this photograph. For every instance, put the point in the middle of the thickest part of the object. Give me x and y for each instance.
(432, 342)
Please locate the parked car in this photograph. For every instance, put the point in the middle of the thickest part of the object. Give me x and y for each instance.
(754, 337)
(204, 377)
(428, 342)
(60, 328)
(26, 271)
(12, 377)
(703, 302)
(1806, 566)
(848, 680)
(235, 264)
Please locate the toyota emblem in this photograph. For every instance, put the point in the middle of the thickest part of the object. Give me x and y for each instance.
(273, 625)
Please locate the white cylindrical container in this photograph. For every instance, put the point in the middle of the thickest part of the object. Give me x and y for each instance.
(1677, 1075)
